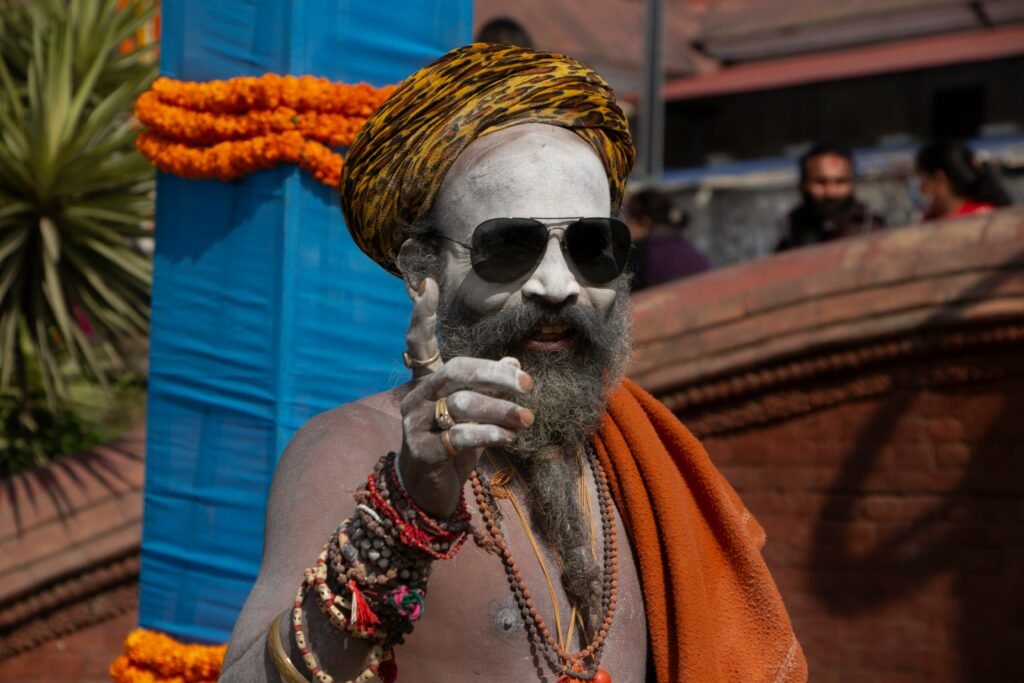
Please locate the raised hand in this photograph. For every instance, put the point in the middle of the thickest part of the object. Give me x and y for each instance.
(442, 443)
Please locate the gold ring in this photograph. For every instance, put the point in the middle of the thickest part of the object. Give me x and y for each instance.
(446, 441)
(442, 417)
(413, 363)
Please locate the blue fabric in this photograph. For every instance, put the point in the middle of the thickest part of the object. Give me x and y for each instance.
(264, 311)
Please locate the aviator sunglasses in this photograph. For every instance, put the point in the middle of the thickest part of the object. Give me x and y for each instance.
(506, 249)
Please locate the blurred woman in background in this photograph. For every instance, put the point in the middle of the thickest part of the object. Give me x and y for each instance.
(953, 182)
(662, 253)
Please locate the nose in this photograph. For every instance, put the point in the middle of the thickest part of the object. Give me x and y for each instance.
(552, 282)
(836, 189)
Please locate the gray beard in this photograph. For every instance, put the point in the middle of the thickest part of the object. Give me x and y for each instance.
(568, 401)
(571, 386)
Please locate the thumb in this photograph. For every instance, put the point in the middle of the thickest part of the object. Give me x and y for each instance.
(422, 354)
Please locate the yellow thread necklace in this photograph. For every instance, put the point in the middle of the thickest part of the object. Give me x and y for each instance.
(501, 488)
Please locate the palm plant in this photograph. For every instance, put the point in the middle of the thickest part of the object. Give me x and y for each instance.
(75, 195)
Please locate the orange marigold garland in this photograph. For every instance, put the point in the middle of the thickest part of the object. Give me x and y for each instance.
(225, 129)
(152, 657)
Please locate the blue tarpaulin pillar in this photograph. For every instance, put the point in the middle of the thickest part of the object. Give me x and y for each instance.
(264, 311)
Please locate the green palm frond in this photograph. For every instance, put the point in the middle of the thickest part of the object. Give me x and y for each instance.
(74, 192)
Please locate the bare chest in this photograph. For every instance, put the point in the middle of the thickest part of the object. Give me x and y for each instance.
(473, 629)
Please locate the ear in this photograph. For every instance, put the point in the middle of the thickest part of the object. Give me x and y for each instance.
(411, 253)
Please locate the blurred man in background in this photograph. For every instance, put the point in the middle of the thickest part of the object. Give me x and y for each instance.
(829, 209)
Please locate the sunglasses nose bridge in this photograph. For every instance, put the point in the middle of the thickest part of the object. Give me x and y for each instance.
(558, 232)
(553, 280)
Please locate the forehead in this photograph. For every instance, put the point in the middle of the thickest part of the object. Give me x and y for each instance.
(829, 165)
(530, 170)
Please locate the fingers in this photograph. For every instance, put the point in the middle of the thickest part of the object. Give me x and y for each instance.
(469, 406)
(421, 338)
(468, 436)
(419, 416)
(494, 378)
(464, 442)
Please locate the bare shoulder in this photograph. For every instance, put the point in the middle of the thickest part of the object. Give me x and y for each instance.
(327, 459)
(341, 443)
(325, 462)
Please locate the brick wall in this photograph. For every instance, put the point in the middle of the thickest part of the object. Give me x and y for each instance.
(895, 531)
(69, 564)
(84, 656)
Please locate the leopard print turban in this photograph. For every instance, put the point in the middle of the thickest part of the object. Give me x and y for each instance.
(395, 166)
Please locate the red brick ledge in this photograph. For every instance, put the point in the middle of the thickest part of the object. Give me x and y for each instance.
(845, 304)
(69, 543)
(78, 601)
(947, 344)
(802, 387)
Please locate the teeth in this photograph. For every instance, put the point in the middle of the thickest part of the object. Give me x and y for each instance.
(551, 332)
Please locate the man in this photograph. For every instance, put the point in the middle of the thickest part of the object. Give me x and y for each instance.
(829, 209)
(605, 545)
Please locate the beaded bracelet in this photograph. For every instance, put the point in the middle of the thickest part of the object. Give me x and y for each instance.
(446, 529)
(441, 540)
(370, 577)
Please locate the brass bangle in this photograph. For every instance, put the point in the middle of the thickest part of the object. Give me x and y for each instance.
(287, 670)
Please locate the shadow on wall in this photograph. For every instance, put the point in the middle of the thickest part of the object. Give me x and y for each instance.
(64, 482)
(972, 534)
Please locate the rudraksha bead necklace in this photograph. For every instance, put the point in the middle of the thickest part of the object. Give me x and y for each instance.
(573, 666)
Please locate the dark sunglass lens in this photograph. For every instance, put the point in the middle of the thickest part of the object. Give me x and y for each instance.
(599, 247)
(505, 249)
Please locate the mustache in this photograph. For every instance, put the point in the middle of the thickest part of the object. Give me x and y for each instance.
(496, 334)
(523, 319)
(828, 206)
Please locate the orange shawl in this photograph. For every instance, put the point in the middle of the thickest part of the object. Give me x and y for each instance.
(713, 611)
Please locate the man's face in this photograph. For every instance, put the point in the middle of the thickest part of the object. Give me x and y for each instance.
(527, 171)
(828, 181)
(570, 334)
